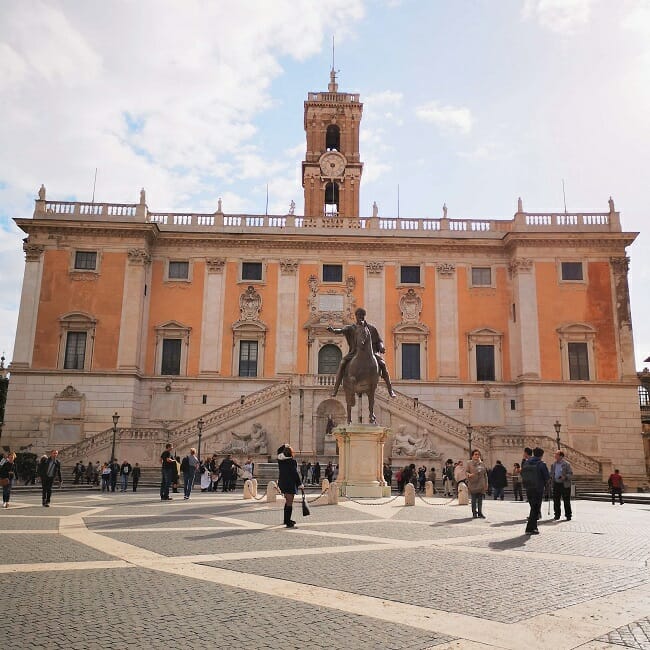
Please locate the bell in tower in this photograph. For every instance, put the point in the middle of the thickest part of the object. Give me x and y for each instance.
(331, 170)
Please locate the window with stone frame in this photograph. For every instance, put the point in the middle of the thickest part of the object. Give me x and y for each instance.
(481, 276)
(248, 358)
(410, 361)
(409, 275)
(331, 208)
(171, 357)
(76, 341)
(251, 271)
(75, 351)
(485, 367)
(332, 272)
(578, 361)
(178, 270)
(577, 351)
(485, 349)
(333, 138)
(329, 358)
(85, 260)
(572, 272)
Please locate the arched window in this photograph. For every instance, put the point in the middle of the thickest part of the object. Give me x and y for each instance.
(332, 199)
(333, 138)
(329, 357)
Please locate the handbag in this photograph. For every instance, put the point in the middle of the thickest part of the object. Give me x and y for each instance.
(4, 482)
(305, 508)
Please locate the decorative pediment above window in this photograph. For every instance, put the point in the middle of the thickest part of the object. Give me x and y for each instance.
(484, 336)
(173, 329)
(577, 332)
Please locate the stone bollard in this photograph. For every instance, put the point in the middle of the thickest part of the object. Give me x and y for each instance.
(333, 493)
(409, 495)
(254, 485)
(428, 489)
(271, 492)
(325, 485)
(248, 489)
(463, 494)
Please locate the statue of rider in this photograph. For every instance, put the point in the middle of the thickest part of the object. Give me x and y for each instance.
(349, 331)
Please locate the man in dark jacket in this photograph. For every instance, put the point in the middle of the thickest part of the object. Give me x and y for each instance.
(499, 480)
(49, 470)
(535, 493)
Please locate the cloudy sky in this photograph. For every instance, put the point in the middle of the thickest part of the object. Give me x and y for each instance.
(470, 102)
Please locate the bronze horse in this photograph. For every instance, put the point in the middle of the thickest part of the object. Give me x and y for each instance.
(361, 374)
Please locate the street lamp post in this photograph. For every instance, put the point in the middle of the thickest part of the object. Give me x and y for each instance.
(557, 426)
(470, 429)
(199, 426)
(116, 418)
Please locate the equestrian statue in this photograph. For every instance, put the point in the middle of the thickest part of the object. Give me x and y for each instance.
(361, 367)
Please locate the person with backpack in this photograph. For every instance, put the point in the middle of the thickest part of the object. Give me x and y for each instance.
(499, 480)
(562, 473)
(615, 483)
(448, 478)
(534, 476)
(189, 465)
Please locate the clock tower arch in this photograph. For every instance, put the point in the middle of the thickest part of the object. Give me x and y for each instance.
(331, 170)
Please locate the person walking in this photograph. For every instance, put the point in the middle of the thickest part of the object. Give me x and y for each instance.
(49, 470)
(189, 465)
(125, 470)
(460, 474)
(168, 467)
(448, 478)
(135, 477)
(115, 471)
(535, 477)
(499, 480)
(289, 481)
(7, 476)
(562, 474)
(106, 477)
(516, 482)
(615, 483)
(477, 483)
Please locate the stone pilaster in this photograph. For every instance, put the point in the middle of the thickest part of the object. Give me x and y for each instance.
(525, 323)
(212, 321)
(287, 318)
(129, 353)
(447, 322)
(623, 317)
(375, 296)
(29, 299)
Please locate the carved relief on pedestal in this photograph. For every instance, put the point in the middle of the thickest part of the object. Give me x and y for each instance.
(446, 268)
(410, 446)
(32, 252)
(410, 305)
(288, 267)
(139, 256)
(250, 305)
(520, 265)
(214, 265)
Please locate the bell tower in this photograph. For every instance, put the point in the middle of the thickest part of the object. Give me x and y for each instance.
(331, 170)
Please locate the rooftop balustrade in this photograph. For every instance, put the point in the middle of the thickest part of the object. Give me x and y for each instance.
(406, 226)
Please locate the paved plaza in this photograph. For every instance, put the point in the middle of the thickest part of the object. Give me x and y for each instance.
(99, 571)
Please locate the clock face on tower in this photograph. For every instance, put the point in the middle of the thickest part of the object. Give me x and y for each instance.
(332, 164)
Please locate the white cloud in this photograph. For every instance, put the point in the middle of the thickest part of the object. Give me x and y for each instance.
(447, 118)
(565, 17)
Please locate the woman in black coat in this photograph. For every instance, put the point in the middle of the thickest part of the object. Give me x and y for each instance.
(7, 476)
(289, 481)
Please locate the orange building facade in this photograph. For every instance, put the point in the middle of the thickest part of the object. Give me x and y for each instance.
(168, 319)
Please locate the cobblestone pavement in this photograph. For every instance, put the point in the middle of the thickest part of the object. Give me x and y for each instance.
(218, 571)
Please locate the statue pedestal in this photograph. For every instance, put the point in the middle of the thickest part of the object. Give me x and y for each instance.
(361, 457)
